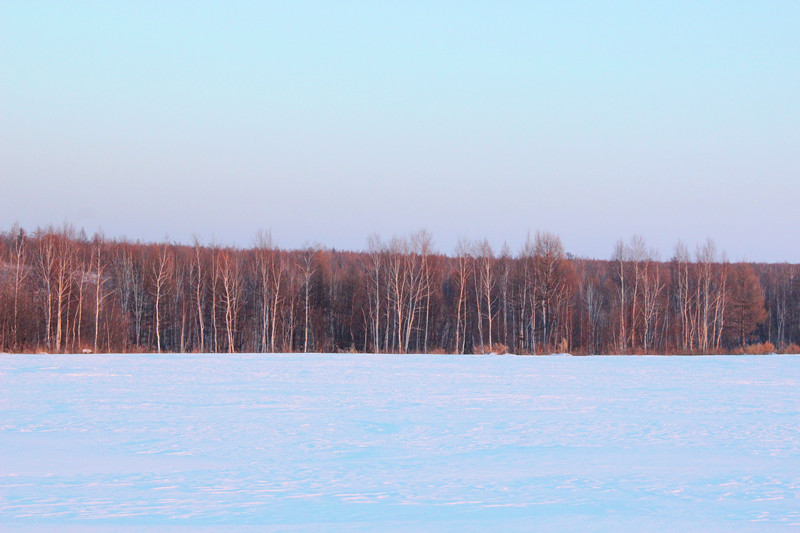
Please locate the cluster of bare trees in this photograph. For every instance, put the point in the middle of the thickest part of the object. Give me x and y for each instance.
(63, 292)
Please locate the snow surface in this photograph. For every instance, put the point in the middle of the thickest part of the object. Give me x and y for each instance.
(399, 443)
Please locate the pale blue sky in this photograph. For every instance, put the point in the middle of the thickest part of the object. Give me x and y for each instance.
(326, 121)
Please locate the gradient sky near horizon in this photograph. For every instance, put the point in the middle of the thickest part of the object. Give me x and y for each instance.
(328, 121)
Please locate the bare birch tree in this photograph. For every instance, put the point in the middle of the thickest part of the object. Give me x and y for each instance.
(229, 275)
(160, 272)
(484, 257)
(307, 266)
(20, 274)
(461, 277)
(376, 251)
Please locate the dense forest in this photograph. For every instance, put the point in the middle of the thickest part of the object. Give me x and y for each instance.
(61, 291)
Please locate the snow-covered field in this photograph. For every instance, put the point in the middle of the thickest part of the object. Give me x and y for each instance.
(405, 443)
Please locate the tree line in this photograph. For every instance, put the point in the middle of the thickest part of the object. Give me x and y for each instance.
(61, 291)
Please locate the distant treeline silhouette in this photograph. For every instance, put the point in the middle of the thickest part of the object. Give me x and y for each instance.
(61, 291)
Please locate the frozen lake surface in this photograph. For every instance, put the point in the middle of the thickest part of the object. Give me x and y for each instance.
(399, 443)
